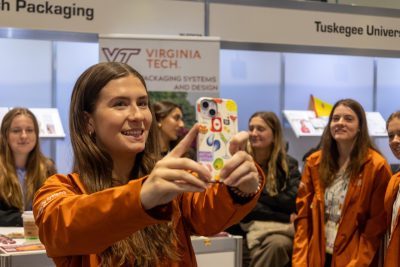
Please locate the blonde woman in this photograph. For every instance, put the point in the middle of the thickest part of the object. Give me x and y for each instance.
(23, 168)
(269, 225)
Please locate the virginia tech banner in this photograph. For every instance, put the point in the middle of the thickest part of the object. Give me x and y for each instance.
(178, 64)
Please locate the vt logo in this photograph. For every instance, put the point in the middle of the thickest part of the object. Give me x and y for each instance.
(120, 54)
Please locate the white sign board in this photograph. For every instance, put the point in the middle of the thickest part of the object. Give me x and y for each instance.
(49, 122)
(306, 123)
(376, 124)
(322, 28)
(95, 16)
(179, 64)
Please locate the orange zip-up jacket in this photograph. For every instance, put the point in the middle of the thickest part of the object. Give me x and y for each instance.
(392, 257)
(75, 226)
(362, 223)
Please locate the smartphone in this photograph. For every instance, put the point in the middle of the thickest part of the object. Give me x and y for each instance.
(218, 123)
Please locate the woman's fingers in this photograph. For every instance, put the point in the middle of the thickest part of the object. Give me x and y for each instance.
(186, 164)
(230, 165)
(238, 142)
(164, 184)
(173, 159)
(238, 175)
(241, 172)
(177, 176)
(181, 148)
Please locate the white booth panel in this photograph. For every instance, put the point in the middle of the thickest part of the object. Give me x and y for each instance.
(72, 59)
(25, 78)
(328, 77)
(252, 79)
(388, 85)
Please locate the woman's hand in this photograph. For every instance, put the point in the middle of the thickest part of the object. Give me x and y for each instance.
(171, 175)
(240, 171)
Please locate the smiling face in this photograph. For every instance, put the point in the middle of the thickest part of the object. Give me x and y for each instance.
(394, 136)
(344, 126)
(121, 118)
(22, 137)
(171, 125)
(261, 135)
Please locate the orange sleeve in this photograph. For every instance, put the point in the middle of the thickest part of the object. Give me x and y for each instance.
(375, 226)
(210, 212)
(303, 204)
(73, 223)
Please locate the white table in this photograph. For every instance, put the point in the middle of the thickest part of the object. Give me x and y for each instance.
(218, 251)
(37, 258)
(210, 252)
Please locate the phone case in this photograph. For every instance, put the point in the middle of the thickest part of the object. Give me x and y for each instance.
(218, 119)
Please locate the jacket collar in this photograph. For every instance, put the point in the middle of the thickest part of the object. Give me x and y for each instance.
(315, 158)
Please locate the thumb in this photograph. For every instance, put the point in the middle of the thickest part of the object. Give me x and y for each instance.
(238, 142)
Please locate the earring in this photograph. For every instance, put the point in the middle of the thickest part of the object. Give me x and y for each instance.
(159, 125)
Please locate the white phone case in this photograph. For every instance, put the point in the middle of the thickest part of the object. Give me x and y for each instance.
(218, 119)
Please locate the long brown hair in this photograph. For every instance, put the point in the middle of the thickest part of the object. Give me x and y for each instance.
(146, 247)
(38, 167)
(278, 151)
(330, 154)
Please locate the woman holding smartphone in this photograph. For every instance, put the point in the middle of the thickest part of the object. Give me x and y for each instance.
(124, 206)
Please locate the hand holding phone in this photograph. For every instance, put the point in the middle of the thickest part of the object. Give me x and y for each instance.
(218, 119)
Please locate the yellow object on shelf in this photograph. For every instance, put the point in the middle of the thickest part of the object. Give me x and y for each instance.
(320, 107)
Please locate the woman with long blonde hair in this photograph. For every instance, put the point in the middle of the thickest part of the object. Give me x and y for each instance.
(268, 227)
(23, 167)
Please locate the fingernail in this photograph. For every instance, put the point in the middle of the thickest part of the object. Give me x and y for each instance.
(226, 181)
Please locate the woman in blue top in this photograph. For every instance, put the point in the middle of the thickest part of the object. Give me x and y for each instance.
(23, 168)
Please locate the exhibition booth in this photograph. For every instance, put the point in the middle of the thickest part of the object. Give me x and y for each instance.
(266, 61)
(266, 55)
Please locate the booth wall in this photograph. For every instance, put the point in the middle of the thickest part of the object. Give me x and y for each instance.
(43, 72)
(370, 3)
(122, 16)
(276, 81)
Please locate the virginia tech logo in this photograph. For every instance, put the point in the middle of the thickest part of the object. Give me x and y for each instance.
(122, 55)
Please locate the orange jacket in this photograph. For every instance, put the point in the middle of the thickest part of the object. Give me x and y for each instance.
(75, 226)
(361, 226)
(392, 257)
